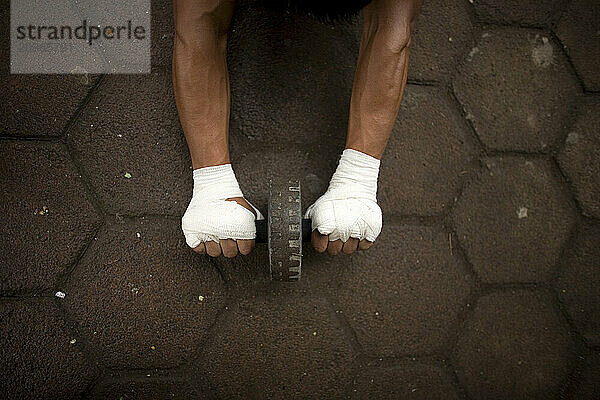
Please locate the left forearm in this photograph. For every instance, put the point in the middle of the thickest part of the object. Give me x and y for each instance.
(380, 75)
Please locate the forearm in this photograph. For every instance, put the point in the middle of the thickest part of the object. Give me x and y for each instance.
(201, 83)
(380, 75)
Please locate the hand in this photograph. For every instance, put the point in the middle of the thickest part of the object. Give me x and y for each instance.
(344, 225)
(228, 247)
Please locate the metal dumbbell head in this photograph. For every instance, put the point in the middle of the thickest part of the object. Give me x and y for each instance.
(284, 230)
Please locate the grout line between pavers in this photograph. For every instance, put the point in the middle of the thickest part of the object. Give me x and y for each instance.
(571, 65)
(16, 138)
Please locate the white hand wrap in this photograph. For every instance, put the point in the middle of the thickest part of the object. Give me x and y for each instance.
(209, 216)
(349, 207)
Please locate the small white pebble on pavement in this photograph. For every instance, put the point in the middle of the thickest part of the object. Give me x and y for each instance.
(60, 295)
(201, 298)
(522, 212)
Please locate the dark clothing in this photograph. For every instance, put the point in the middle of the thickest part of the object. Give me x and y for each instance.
(324, 10)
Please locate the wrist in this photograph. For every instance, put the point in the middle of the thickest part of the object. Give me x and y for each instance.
(356, 175)
(216, 182)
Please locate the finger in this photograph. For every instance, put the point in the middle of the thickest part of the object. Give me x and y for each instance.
(245, 246)
(213, 249)
(229, 248)
(350, 246)
(319, 241)
(334, 247)
(364, 244)
(200, 249)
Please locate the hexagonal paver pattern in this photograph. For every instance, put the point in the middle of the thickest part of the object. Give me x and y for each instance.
(41, 359)
(142, 297)
(143, 388)
(407, 379)
(589, 385)
(578, 31)
(427, 156)
(45, 212)
(278, 346)
(401, 297)
(41, 105)
(131, 146)
(579, 281)
(441, 37)
(518, 101)
(529, 13)
(580, 158)
(297, 72)
(514, 220)
(515, 346)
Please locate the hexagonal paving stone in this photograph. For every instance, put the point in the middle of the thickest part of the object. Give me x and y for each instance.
(46, 214)
(254, 167)
(578, 22)
(42, 105)
(278, 346)
(518, 101)
(134, 133)
(514, 220)
(580, 158)
(297, 72)
(407, 379)
(441, 38)
(589, 385)
(142, 297)
(427, 156)
(579, 281)
(515, 346)
(402, 296)
(41, 358)
(530, 13)
(144, 387)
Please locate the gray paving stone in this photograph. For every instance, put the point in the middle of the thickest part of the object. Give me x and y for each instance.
(521, 100)
(441, 39)
(144, 388)
(580, 157)
(278, 346)
(407, 379)
(527, 13)
(513, 220)
(41, 357)
(42, 105)
(588, 387)
(290, 77)
(131, 127)
(142, 297)
(427, 157)
(578, 31)
(47, 217)
(515, 346)
(578, 283)
(402, 296)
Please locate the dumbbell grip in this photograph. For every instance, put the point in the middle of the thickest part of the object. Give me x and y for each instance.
(262, 235)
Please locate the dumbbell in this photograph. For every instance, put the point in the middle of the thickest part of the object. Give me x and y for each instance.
(284, 230)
